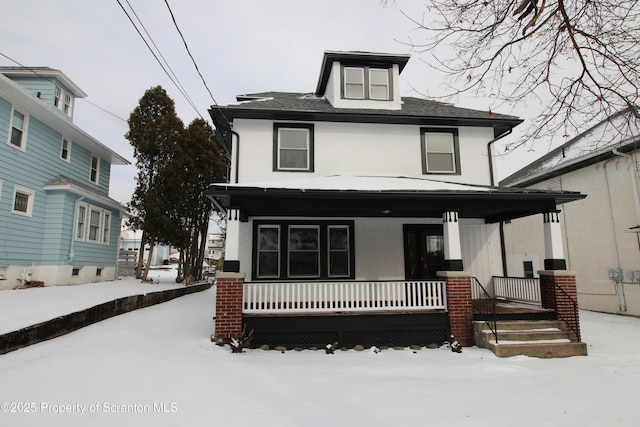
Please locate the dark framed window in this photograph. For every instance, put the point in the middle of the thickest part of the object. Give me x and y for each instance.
(293, 147)
(366, 83)
(440, 151)
(289, 250)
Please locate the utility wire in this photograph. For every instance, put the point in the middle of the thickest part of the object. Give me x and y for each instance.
(52, 81)
(186, 46)
(159, 62)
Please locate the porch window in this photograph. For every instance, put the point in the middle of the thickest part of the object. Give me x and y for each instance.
(268, 258)
(293, 147)
(338, 251)
(304, 255)
(286, 249)
(440, 153)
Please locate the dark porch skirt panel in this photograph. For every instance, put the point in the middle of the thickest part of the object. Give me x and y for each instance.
(349, 330)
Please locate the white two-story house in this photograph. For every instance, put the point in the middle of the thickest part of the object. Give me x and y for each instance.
(353, 199)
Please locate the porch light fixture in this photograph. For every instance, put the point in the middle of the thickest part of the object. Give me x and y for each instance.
(386, 211)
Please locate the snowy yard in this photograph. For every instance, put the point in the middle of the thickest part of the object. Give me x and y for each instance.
(157, 366)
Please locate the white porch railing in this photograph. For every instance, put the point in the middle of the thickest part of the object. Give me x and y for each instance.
(331, 297)
(517, 289)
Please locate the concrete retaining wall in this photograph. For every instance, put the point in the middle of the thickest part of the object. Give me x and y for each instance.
(71, 322)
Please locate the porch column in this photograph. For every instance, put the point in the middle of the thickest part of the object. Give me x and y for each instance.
(553, 248)
(452, 246)
(232, 242)
(459, 305)
(552, 285)
(228, 305)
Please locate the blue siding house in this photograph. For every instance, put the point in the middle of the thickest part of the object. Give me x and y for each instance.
(57, 222)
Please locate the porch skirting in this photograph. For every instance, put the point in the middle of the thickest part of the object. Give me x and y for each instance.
(349, 330)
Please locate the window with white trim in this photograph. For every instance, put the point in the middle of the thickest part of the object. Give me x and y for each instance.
(23, 201)
(293, 147)
(440, 152)
(92, 224)
(353, 83)
(378, 84)
(57, 100)
(65, 149)
(67, 104)
(95, 169)
(81, 217)
(366, 83)
(303, 249)
(18, 127)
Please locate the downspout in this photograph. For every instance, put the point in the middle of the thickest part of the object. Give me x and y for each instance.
(503, 253)
(72, 254)
(237, 153)
(622, 304)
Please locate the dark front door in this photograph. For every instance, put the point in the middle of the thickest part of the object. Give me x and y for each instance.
(423, 251)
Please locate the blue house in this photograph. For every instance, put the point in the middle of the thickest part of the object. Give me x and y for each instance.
(57, 222)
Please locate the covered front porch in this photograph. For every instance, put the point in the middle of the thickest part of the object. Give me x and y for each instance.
(387, 259)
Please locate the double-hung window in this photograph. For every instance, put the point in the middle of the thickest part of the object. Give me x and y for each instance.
(366, 83)
(304, 251)
(65, 149)
(92, 224)
(293, 147)
(95, 169)
(67, 104)
(440, 151)
(57, 100)
(289, 250)
(18, 126)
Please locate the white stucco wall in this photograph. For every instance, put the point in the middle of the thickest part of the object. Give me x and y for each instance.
(359, 148)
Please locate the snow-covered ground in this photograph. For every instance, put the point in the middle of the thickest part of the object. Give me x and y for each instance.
(157, 366)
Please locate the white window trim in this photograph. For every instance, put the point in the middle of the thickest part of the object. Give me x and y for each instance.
(30, 200)
(307, 148)
(57, 98)
(68, 159)
(344, 78)
(68, 104)
(102, 238)
(25, 126)
(97, 181)
(387, 96)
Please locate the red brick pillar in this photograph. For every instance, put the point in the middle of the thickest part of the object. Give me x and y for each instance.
(553, 298)
(459, 305)
(228, 305)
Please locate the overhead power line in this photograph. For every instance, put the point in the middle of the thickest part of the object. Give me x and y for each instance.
(175, 81)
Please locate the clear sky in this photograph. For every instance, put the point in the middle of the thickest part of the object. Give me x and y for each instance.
(240, 46)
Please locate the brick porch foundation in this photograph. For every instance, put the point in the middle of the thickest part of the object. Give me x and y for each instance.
(228, 305)
(554, 299)
(459, 305)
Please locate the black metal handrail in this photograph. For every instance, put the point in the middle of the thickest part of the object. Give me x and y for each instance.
(493, 322)
(572, 324)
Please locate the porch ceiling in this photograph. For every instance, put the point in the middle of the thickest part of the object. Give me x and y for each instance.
(493, 204)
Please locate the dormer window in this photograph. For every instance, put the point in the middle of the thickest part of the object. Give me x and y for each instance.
(67, 105)
(366, 83)
(57, 101)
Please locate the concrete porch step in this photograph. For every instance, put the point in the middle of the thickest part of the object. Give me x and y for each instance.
(534, 338)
